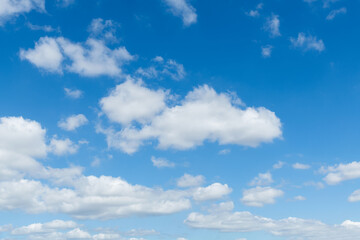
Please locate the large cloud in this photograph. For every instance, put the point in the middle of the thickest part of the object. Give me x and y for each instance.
(203, 115)
(223, 219)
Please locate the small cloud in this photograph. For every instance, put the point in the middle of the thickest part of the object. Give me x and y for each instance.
(188, 180)
(224, 151)
(300, 166)
(307, 43)
(278, 165)
(299, 198)
(336, 12)
(62, 146)
(262, 179)
(272, 25)
(73, 122)
(181, 8)
(45, 28)
(255, 13)
(318, 185)
(266, 51)
(73, 93)
(162, 163)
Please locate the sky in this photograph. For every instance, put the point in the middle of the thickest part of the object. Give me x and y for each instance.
(179, 119)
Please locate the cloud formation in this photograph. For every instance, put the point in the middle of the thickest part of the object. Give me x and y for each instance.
(203, 115)
(13, 8)
(181, 8)
(307, 43)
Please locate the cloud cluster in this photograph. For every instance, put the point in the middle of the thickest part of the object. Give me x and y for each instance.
(28, 185)
(203, 115)
(222, 218)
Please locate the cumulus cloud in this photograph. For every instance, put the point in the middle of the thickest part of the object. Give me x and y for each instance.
(132, 101)
(336, 12)
(162, 163)
(223, 219)
(202, 115)
(91, 59)
(181, 8)
(299, 198)
(104, 29)
(300, 166)
(62, 146)
(307, 43)
(262, 179)
(12, 8)
(73, 93)
(73, 122)
(188, 180)
(272, 25)
(213, 192)
(341, 172)
(45, 55)
(259, 196)
(44, 227)
(22, 136)
(278, 165)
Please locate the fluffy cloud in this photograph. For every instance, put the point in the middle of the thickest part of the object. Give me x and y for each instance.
(62, 146)
(223, 219)
(91, 59)
(11, 8)
(188, 180)
(341, 172)
(307, 43)
(162, 163)
(46, 55)
(44, 227)
(259, 196)
(73, 122)
(132, 101)
(105, 29)
(336, 12)
(22, 136)
(262, 179)
(181, 8)
(355, 196)
(213, 192)
(202, 115)
(272, 25)
(300, 166)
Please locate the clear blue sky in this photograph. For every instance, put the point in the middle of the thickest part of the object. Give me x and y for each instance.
(179, 119)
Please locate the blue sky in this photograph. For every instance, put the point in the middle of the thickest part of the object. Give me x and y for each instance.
(179, 119)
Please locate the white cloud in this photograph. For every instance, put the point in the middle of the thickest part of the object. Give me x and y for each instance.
(91, 59)
(44, 227)
(300, 166)
(255, 13)
(73, 122)
(307, 43)
(162, 163)
(132, 101)
(65, 3)
(202, 115)
(293, 228)
(188, 180)
(355, 196)
(62, 146)
(224, 151)
(278, 165)
(336, 12)
(341, 172)
(272, 25)
(73, 93)
(22, 136)
(45, 28)
(181, 8)
(259, 196)
(262, 179)
(12, 8)
(266, 51)
(299, 198)
(214, 191)
(46, 55)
